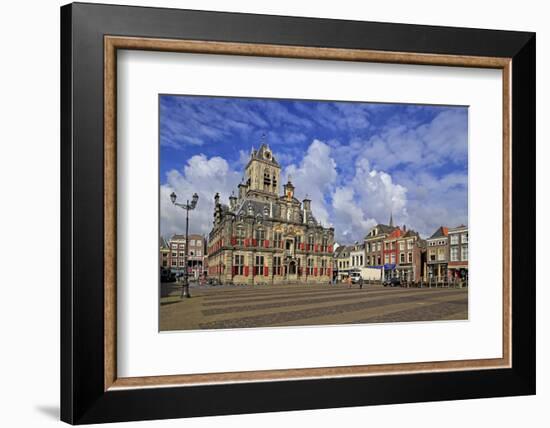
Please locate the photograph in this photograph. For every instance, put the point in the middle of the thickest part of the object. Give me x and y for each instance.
(292, 212)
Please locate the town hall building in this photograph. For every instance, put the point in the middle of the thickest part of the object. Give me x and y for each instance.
(263, 237)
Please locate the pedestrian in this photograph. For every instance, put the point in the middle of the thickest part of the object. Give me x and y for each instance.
(360, 282)
(349, 281)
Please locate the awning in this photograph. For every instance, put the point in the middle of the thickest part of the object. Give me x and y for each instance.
(389, 266)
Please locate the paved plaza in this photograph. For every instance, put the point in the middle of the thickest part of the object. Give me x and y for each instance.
(300, 305)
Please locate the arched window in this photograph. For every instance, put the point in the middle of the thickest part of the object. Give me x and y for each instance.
(266, 212)
(250, 209)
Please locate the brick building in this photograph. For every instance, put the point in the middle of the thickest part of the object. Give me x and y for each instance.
(411, 250)
(195, 257)
(263, 237)
(374, 243)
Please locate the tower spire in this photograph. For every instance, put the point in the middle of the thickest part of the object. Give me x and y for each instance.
(391, 219)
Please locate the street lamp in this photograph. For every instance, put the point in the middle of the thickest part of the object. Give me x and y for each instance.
(187, 206)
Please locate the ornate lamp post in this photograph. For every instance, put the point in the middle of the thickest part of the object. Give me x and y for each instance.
(187, 206)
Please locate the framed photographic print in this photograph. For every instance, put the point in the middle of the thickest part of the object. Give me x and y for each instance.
(266, 213)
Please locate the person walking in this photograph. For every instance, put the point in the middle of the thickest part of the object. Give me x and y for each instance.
(360, 282)
(349, 281)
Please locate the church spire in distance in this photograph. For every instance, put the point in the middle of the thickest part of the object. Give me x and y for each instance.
(391, 219)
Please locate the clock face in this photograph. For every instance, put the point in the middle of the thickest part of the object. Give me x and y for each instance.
(267, 155)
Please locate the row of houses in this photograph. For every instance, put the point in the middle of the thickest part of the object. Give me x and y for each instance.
(389, 251)
(172, 254)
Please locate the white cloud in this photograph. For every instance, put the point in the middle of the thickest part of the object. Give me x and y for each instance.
(204, 176)
(314, 177)
(350, 224)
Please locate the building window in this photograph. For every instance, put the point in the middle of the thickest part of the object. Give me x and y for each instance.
(454, 254)
(409, 244)
(324, 267)
(238, 268)
(401, 245)
(464, 253)
(393, 258)
(324, 244)
(310, 242)
(432, 255)
(174, 263)
(277, 238)
(298, 242)
(386, 258)
(258, 265)
(174, 254)
(454, 239)
(240, 235)
(440, 254)
(402, 258)
(465, 238)
(182, 263)
(277, 266)
(388, 245)
(410, 257)
(199, 253)
(182, 254)
(260, 236)
(310, 266)
(192, 242)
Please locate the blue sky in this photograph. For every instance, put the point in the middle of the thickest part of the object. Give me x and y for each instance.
(356, 161)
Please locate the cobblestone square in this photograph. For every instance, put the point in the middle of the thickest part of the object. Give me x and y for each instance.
(227, 307)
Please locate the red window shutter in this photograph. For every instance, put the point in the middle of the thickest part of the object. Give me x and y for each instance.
(254, 242)
(330, 248)
(246, 271)
(329, 271)
(316, 248)
(266, 243)
(315, 271)
(233, 240)
(246, 242)
(266, 269)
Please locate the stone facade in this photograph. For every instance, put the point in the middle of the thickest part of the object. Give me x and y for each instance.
(263, 237)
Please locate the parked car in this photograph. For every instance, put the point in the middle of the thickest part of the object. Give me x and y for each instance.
(392, 282)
